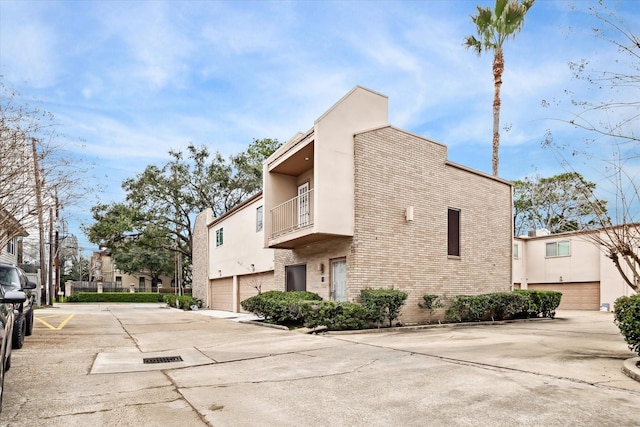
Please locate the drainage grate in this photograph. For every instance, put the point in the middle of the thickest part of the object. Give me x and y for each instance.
(167, 359)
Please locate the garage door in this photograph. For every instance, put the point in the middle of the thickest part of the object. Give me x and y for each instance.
(247, 285)
(575, 296)
(221, 291)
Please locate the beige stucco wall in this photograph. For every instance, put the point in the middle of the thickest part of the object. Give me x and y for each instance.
(243, 245)
(359, 110)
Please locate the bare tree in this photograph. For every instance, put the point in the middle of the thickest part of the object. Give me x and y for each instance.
(610, 118)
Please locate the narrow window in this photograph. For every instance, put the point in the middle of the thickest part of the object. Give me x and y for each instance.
(141, 284)
(11, 246)
(259, 219)
(219, 237)
(515, 251)
(453, 241)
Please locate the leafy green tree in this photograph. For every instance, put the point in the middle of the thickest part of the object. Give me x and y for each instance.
(162, 201)
(494, 28)
(560, 203)
(80, 270)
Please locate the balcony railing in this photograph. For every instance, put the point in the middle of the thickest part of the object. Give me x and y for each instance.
(292, 215)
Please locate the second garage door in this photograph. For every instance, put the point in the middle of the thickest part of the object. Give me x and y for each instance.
(575, 296)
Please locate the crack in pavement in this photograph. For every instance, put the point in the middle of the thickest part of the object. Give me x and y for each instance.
(491, 367)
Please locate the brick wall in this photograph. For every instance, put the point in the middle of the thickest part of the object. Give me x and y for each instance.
(395, 169)
(200, 257)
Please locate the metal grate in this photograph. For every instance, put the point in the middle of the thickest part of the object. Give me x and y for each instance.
(167, 359)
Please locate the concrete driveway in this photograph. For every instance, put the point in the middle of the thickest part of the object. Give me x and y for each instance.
(84, 366)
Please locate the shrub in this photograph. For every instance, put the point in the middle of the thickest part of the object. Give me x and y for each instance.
(506, 305)
(184, 302)
(279, 306)
(468, 308)
(627, 318)
(431, 303)
(383, 304)
(336, 316)
(114, 297)
(541, 303)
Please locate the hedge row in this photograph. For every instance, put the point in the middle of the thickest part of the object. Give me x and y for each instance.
(503, 305)
(627, 316)
(307, 308)
(114, 297)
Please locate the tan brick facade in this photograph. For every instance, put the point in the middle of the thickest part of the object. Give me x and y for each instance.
(396, 169)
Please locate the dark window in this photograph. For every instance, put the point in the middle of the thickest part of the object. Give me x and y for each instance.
(453, 240)
(296, 277)
(141, 284)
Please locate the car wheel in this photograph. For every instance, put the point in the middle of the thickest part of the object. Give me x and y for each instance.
(19, 329)
(29, 323)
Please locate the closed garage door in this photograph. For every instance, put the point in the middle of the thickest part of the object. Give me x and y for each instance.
(575, 296)
(247, 285)
(221, 291)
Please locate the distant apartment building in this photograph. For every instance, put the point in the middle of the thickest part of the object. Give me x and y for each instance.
(571, 263)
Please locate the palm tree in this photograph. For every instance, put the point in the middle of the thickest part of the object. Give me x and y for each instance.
(494, 28)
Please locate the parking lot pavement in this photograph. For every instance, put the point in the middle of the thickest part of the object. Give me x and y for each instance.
(84, 365)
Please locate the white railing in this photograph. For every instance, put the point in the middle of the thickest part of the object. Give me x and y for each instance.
(292, 215)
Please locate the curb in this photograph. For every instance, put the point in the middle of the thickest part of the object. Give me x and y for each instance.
(631, 369)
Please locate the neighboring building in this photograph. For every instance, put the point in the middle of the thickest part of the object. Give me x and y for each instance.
(10, 254)
(104, 270)
(571, 263)
(355, 203)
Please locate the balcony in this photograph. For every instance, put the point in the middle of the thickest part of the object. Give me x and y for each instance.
(293, 215)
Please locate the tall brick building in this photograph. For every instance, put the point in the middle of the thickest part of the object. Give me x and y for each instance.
(355, 203)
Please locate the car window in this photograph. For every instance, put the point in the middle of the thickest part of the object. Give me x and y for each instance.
(9, 278)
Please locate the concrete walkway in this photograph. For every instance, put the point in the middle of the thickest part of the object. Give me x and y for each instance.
(566, 372)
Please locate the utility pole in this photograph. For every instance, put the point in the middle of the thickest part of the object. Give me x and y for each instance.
(39, 209)
(51, 288)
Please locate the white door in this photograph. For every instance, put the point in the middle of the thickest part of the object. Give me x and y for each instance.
(303, 205)
(339, 279)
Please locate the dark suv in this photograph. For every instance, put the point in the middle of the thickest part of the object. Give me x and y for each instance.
(13, 278)
(8, 299)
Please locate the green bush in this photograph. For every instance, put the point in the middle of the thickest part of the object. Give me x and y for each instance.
(114, 297)
(184, 302)
(627, 317)
(506, 305)
(383, 304)
(278, 306)
(540, 303)
(336, 316)
(468, 308)
(503, 305)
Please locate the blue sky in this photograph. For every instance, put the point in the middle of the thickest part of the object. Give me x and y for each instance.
(133, 79)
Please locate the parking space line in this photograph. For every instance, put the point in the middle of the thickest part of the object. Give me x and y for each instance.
(50, 326)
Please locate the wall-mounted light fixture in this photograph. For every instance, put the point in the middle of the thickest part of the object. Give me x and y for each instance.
(408, 215)
(321, 268)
